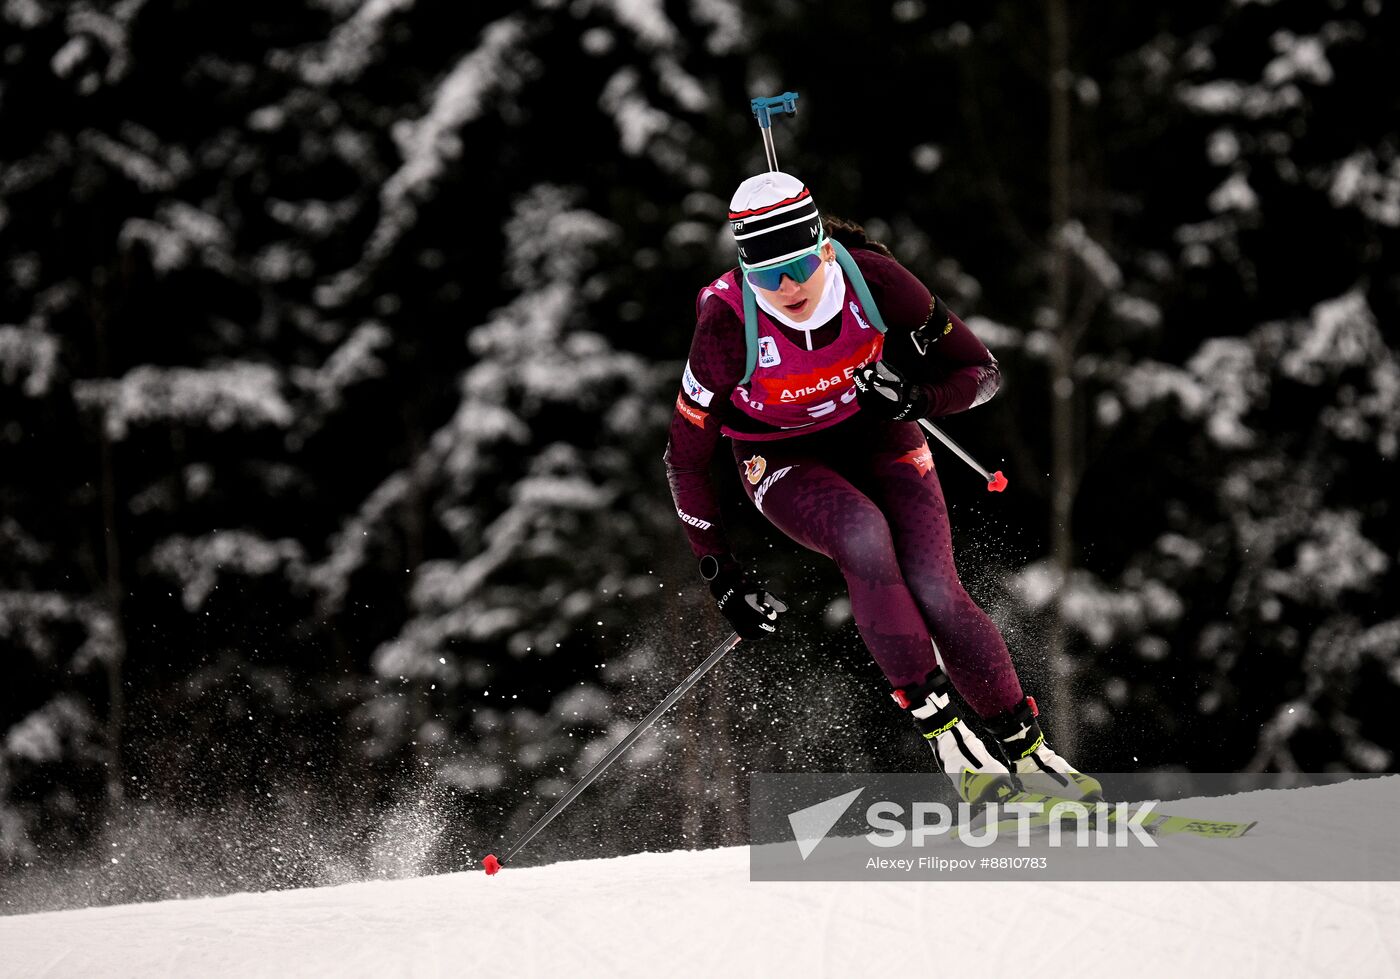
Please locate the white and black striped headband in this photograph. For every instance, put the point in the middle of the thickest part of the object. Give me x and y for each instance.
(777, 232)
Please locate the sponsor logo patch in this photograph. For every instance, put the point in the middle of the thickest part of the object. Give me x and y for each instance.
(754, 469)
(768, 353)
(762, 491)
(693, 415)
(700, 394)
(818, 384)
(855, 311)
(920, 458)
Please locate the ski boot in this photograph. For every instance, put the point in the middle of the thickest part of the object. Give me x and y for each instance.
(1035, 765)
(977, 774)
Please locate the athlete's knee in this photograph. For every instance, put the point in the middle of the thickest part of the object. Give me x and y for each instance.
(942, 599)
(864, 544)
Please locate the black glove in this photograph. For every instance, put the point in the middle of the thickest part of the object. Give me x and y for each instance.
(750, 610)
(886, 393)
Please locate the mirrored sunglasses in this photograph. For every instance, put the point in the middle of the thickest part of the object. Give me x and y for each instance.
(770, 277)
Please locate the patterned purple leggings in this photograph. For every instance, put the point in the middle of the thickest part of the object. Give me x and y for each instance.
(866, 495)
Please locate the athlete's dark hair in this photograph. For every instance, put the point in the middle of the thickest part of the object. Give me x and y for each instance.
(852, 235)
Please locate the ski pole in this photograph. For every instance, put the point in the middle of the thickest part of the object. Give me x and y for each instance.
(492, 865)
(996, 482)
(786, 104)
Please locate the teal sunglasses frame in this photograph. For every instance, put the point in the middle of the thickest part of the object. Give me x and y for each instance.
(800, 269)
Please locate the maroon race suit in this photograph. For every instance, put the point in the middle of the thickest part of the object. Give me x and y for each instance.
(860, 490)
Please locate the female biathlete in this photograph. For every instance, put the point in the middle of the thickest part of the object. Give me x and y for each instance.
(789, 362)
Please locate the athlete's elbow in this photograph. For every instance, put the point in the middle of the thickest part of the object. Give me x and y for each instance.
(679, 463)
(988, 383)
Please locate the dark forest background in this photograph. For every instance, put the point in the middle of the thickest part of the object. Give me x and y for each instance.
(338, 339)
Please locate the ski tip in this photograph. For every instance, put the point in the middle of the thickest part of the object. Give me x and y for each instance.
(1249, 827)
(490, 864)
(997, 483)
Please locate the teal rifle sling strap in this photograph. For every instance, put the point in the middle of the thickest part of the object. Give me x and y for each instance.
(853, 276)
(750, 329)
